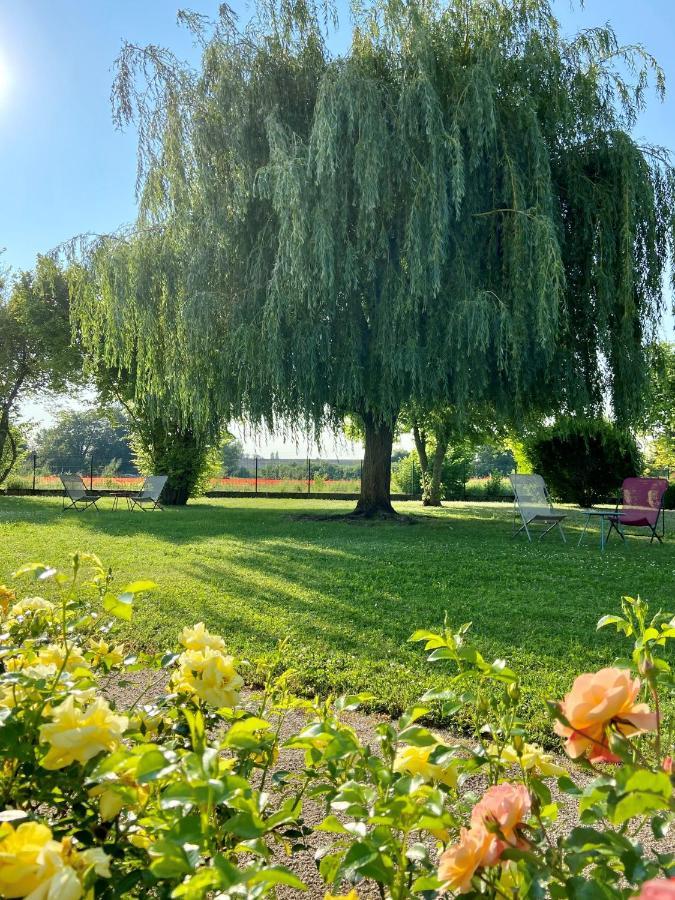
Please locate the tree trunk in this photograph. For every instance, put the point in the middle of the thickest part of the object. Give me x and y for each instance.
(421, 447)
(434, 498)
(375, 499)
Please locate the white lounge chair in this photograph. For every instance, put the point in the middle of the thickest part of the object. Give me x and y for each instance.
(531, 500)
(149, 494)
(76, 491)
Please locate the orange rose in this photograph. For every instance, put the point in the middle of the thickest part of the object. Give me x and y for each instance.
(658, 889)
(504, 807)
(458, 863)
(596, 702)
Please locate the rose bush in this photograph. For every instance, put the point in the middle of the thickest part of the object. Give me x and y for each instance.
(182, 794)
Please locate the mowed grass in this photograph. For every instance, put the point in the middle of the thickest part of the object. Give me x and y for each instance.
(348, 596)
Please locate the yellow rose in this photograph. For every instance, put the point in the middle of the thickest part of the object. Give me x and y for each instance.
(104, 653)
(34, 605)
(55, 654)
(210, 675)
(13, 694)
(415, 761)
(77, 735)
(531, 757)
(32, 863)
(198, 638)
(112, 801)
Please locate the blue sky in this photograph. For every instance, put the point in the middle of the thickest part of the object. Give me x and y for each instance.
(65, 170)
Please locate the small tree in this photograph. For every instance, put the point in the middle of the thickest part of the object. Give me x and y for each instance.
(36, 353)
(583, 461)
(658, 419)
(125, 301)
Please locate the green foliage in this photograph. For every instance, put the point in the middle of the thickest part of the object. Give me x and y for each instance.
(231, 453)
(669, 497)
(179, 454)
(584, 460)
(131, 336)
(658, 417)
(184, 796)
(78, 435)
(491, 458)
(36, 354)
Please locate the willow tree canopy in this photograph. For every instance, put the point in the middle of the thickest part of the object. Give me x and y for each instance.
(453, 212)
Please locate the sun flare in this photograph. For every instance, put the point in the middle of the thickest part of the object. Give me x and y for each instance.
(4, 78)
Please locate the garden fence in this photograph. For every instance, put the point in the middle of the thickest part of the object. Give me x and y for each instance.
(248, 474)
(254, 475)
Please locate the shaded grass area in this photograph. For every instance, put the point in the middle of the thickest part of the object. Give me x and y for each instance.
(349, 595)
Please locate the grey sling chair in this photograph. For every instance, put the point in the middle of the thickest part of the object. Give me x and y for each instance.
(532, 502)
(76, 491)
(149, 494)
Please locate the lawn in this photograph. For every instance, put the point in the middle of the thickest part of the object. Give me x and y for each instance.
(349, 595)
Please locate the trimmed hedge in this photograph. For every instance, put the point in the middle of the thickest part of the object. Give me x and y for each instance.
(584, 460)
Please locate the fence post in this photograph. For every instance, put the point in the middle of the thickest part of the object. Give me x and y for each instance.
(309, 475)
(91, 473)
(256, 473)
(34, 467)
(412, 479)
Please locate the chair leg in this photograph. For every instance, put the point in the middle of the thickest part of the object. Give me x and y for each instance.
(562, 532)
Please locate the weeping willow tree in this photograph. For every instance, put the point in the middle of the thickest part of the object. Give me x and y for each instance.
(128, 305)
(453, 213)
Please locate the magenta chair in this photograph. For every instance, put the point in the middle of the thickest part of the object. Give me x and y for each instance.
(642, 505)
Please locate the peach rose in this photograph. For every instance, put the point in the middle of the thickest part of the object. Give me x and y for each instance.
(658, 889)
(597, 701)
(459, 862)
(504, 807)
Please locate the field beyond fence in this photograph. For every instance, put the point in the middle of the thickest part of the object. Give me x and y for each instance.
(252, 475)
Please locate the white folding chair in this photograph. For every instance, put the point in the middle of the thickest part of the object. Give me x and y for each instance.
(149, 494)
(76, 491)
(531, 500)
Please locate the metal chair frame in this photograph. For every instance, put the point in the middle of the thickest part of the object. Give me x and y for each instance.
(147, 496)
(87, 497)
(552, 519)
(615, 523)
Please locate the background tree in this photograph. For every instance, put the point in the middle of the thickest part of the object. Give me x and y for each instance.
(231, 453)
(452, 213)
(436, 431)
(78, 436)
(125, 302)
(658, 420)
(36, 354)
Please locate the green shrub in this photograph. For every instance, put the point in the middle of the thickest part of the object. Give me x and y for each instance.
(584, 460)
(669, 497)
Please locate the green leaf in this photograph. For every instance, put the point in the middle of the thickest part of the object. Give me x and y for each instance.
(278, 875)
(121, 607)
(154, 765)
(136, 587)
